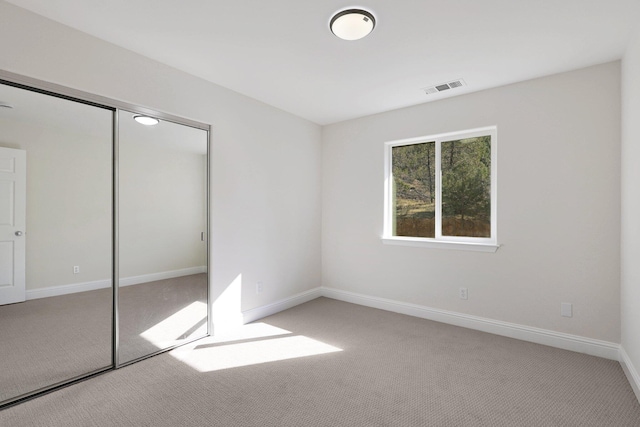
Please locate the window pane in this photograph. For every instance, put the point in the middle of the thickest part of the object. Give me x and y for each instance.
(414, 189)
(466, 187)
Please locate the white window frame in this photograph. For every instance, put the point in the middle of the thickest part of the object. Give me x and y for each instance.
(483, 244)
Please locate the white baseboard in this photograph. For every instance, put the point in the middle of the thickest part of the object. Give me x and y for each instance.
(630, 371)
(605, 349)
(561, 340)
(145, 278)
(278, 306)
(54, 291)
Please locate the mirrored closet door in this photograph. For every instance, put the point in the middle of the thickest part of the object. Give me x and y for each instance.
(103, 235)
(162, 235)
(55, 240)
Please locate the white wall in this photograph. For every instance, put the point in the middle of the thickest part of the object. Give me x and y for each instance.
(265, 163)
(558, 206)
(630, 244)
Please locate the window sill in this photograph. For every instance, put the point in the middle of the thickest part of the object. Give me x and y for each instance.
(439, 244)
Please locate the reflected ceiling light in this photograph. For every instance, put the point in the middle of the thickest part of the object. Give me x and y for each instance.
(352, 24)
(146, 120)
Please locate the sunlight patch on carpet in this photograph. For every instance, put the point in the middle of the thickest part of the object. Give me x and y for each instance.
(244, 332)
(179, 325)
(215, 357)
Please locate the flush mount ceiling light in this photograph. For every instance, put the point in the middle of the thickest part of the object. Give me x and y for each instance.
(352, 24)
(146, 120)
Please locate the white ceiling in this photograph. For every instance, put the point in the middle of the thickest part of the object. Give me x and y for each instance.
(281, 52)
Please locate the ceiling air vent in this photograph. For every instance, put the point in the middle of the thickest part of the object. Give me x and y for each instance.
(444, 86)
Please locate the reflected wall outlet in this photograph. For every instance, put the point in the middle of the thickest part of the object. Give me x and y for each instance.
(259, 288)
(76, 269)
(566, 309)
(463, 293)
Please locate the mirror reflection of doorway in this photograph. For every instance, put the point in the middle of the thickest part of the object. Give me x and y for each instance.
(13, 200)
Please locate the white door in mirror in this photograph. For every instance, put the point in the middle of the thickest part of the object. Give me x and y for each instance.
(13, 198)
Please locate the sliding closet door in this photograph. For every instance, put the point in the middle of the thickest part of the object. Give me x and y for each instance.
(55, 241)
(162, 248)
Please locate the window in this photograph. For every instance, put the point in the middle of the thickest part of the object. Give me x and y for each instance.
(440, 191)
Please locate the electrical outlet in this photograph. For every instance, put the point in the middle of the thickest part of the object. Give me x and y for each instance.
(259, 287)
(76, 269)
(463, 293)
(566, 309)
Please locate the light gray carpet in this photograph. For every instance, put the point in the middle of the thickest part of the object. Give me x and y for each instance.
(145, 305)
(49, 340)
(393, 370)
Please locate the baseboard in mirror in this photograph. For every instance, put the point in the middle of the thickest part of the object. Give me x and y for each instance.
(54, 291)
(593, 347)
(146, 278)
